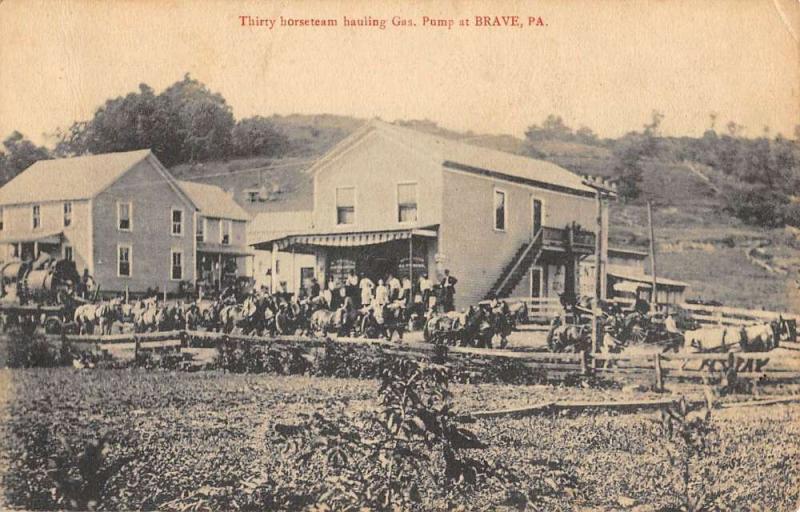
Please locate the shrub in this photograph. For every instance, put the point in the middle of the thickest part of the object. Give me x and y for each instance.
(26, 349)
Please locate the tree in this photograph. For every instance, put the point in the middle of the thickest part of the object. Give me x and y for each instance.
(186, 122)
(18, 154)
(257, 136)
(629, 154)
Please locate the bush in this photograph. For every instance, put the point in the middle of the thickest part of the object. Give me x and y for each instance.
(759, 205)
(26, 349)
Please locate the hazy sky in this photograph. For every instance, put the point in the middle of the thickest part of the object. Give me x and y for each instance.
(606, 64)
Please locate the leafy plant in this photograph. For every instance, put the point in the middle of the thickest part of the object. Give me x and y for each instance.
(691, 437)
(380, 458)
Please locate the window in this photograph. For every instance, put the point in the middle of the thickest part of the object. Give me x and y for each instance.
(200, 230)
(345, 205)
(224, 232)
(67, 213)
(177, 222)
(176, 270)
(124, 216)
(407, 202)
(2, 220)
(36, 216)
(253, 196)
(124, 260)
(68, 252)
(499, 210)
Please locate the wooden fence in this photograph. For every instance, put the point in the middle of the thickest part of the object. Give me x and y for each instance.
(544, 309)
(656, 368)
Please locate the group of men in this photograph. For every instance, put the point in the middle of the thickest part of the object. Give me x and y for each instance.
(363, 291)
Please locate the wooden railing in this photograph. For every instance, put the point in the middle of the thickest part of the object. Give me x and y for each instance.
(655, 367)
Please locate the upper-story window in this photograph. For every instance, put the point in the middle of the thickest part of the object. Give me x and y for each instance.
(177, 222)
(67, 213)
(36, 216)
(225, 232)
(124, 211)
(200, 229)
(407, 202)
(499, 210)
(345, 205)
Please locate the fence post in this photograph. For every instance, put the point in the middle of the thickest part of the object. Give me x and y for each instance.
(136, 346)
(659, 373)
(585, 367)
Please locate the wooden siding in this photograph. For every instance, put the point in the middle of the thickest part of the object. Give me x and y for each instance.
(375, 166)
(17, 220)
(473, 250)
(150, 237)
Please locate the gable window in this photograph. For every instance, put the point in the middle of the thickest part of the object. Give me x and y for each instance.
(407, 202)
(68, 255)
(124, 260)
(200, 229)
(176, 269)
(177, 222)
(253, 196)
(345, 205)
(124, 216)
(499, 210)
(67, 213)
(224, 232)
(36, 216)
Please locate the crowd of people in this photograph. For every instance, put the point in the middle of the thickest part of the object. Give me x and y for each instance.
(361, 291)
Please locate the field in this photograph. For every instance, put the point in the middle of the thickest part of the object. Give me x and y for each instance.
(178, 439)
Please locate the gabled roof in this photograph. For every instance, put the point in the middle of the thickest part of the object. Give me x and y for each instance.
(67, 179)
(268, 226)
(459, 155)
(212, 201)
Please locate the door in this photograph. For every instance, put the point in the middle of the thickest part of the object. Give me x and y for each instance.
(536, 282)
(536, 216)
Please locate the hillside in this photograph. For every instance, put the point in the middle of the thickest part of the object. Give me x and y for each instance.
(698, 242)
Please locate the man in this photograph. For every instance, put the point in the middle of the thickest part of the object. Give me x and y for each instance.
(366, 286)
(351, 286)
(425, 288)
(448, 291)
(394, 288)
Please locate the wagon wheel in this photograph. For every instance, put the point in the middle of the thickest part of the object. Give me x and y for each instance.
(52, 325)
(638, 334)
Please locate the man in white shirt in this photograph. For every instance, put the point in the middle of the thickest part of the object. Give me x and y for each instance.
(394, 288)
(425, 288)
(366, 286)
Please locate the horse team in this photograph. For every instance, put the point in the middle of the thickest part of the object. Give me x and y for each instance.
(264, 313)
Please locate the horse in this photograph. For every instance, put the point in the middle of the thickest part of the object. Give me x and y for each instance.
(325, 320)
(151, 318)
(103, 315)
(477, 329)
(565, 337)
(242, 316)
(444, 328)
(394, 320)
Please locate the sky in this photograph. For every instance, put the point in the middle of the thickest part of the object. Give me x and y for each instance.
(605, 64)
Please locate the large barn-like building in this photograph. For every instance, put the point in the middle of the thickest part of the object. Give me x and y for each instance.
(124, 219)
(391, 200)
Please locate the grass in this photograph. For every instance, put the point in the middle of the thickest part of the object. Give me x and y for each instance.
(176, 433)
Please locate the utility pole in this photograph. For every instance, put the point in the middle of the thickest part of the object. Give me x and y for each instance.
(653, 299)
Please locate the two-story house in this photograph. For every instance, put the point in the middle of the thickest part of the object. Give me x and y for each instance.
(121, 217)
(391, 200)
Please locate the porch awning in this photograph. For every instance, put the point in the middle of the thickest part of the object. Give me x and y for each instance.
(229, 250)
(630, 286)
(354, 239)
(45, 237)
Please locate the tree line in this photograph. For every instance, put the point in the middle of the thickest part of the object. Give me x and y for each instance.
(761, 184)
(187, 122)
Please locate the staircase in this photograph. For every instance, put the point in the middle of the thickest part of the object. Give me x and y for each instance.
(526, 256)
